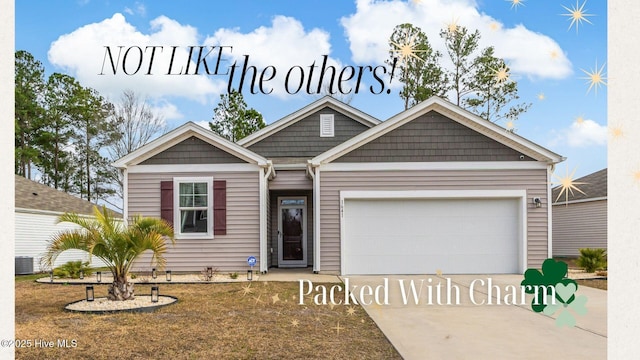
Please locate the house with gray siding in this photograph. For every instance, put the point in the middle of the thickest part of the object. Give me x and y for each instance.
(580, 217)
(433, 188)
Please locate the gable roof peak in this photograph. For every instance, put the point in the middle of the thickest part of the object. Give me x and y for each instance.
(182, 133)
(453, 112)
(325, 101)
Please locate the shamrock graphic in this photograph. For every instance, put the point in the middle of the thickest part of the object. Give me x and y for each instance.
(565, 317)
(553, 272)
(553, 278)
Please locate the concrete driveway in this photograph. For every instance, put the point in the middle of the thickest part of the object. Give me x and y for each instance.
(467, 330)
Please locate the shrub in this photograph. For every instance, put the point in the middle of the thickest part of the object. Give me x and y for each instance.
(233, 275)
(592, 259)
(204, 274)
(71, 269)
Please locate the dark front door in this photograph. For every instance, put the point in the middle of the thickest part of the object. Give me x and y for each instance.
(292, 231)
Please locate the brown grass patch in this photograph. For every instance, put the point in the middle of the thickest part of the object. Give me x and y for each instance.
(210, 321)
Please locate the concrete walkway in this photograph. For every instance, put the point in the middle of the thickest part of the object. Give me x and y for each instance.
(465, 330)
(296, 274)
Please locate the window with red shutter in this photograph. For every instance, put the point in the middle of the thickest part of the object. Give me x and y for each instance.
(220, 207)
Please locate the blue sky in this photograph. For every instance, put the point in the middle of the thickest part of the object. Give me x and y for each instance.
(546, 56)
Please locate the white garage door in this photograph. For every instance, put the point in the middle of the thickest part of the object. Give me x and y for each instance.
(421, 236)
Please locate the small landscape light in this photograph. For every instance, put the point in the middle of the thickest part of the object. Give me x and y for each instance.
(155, 293)
(81, 275)
(90, 293)
(99, 276)
(168, 275)
(51, 276)
(250, 275)
(154, 273)
(209, 273)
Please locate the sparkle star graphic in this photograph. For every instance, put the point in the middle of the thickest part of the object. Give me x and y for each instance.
(636, 176)
(247, 290)
(616, 132)
(595, 78)
(407, 49)
(258, 300)
(502, 74)
(338, 328)
(577, 15)
(567, 185)
(295, 323)
(439, 272)
(452, 26)
(516, 3)
(554, 54)
(540, 96)
(275, 298)
(351, 311)
(494, 26)
(580, 120)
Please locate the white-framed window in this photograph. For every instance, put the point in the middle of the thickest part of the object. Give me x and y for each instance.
(326, 125)
(193, 207)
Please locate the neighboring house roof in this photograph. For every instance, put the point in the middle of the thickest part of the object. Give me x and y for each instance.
(182, 133)
(453, 112)
(594, 187)
(35, 196)
(294, 117)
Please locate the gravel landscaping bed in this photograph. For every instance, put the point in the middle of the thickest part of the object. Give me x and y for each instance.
(141, 302)
(161, 279)
(581, 274)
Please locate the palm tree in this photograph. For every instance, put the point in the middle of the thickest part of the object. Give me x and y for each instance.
(114, 243)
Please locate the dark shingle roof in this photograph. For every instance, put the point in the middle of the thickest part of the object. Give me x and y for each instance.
(594, 186)
(33, 195)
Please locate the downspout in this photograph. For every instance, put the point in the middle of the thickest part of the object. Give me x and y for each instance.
(269, 175)
(314, 172)
(125, 196)
(266, 172)
(550, 170)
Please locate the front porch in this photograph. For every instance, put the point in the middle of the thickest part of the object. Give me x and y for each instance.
(290, 220)
(290, 229)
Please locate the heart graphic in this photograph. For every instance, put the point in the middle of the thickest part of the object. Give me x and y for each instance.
(565, 319)
(578, 305)
(566, 291)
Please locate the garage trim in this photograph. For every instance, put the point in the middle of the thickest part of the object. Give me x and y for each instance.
(520, 195)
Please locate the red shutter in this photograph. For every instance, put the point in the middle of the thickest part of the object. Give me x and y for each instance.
(166, 201)
(220, 207)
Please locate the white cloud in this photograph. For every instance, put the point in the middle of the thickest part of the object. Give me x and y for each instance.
(528, 53)
(167, 110)
(581, 134)
(204, 124)
(82, 54)
(139, 9)
(282, 45)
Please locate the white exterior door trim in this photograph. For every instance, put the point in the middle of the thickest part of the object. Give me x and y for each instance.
(292, 263)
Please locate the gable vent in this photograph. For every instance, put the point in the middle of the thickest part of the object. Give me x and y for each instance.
(326, 125)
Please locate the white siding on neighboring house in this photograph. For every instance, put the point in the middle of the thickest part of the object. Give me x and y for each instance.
(225, 252)
(534, 181)
(34, 229)
(579, 225)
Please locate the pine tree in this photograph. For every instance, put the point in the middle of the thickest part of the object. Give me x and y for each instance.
(232, 120)
(417, 65)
